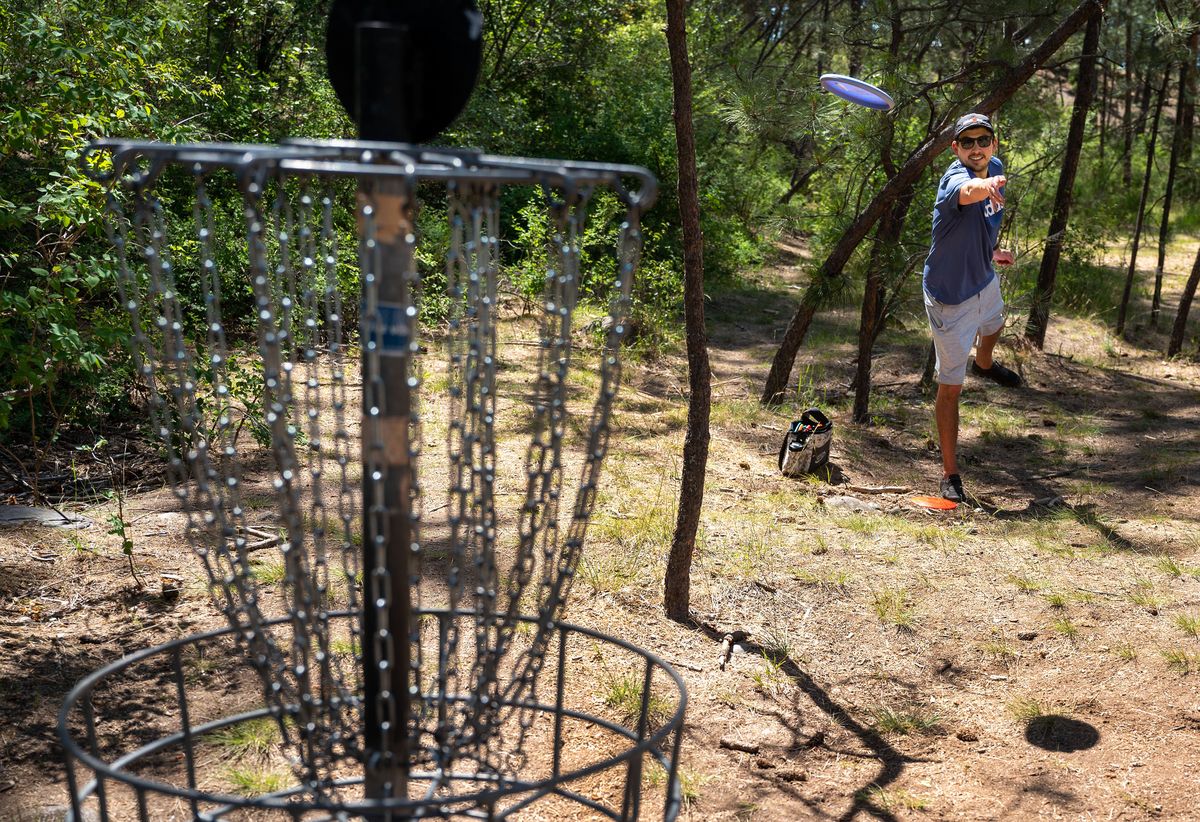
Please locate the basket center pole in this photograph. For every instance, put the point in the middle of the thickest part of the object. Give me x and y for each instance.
(387, 410)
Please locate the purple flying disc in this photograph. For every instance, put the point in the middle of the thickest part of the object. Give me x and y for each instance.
(856, 91)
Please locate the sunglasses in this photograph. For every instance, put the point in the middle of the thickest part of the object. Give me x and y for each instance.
(983, 141)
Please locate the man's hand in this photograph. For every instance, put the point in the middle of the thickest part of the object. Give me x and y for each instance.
(993, 186)
(983, 188)
(1002, 257)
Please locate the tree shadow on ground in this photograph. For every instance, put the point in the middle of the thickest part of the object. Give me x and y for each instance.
(891, 761)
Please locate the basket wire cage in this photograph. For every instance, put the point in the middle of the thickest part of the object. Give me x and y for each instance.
(407, 654)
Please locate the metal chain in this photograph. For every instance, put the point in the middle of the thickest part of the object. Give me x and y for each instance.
(475, 677)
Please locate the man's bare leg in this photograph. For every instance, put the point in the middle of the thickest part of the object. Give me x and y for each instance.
(983, 350)
(945, 412)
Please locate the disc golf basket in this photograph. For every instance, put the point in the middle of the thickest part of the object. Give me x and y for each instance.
(382, 504)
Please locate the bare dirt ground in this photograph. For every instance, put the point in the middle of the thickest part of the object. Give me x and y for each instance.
(1033, 655)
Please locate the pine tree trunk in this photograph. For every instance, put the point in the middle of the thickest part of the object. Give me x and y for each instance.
(1127, 112)
(1177, 140)
(1141, 214)
(1185, 304)
(891, 227)
(1043, 293)
(677, 586)
(1187, 117)
(1102, 110)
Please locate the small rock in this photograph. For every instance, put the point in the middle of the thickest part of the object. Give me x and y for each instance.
(740, 649)
(851, 504)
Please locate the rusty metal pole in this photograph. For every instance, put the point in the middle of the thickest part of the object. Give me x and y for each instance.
(384, 97)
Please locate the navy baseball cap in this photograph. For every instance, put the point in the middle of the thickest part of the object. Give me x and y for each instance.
(972, 120)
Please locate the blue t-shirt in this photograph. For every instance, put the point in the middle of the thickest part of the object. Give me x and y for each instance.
(959, 264)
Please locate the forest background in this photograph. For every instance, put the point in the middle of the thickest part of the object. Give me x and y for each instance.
(891, 652)
(591, 80)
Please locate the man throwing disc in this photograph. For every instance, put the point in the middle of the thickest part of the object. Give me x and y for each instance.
(962, 292)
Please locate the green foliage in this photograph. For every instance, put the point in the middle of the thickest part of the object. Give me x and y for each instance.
(586, 80)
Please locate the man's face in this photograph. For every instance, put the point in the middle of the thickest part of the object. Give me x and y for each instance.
(968, 149)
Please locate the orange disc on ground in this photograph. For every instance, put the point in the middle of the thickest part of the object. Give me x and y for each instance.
(936, 503)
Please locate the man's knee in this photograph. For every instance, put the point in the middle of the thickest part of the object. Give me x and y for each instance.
(949, 393)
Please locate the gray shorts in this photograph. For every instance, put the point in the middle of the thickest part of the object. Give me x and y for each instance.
(955, 328)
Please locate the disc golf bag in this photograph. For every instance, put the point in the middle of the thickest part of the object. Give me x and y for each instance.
(806, 445)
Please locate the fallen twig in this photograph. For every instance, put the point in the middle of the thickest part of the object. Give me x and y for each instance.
(738, 745)
(878, 489)
(726, 651)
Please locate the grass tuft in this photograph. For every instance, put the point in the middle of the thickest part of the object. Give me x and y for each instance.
(1066, 627)
(268, 573)
(891, 800)
(1189, 624)
(1144, 595)
(837, 580)
(1026, 585)
(1169, 566)
(624, 695)
(253, 737)
(1026, 709)
(254, 782)
(1056, 600)
(892, 606)
(1180, 661)
(903, 723)
(771, 678)
(1000, 649)
(1125, 652)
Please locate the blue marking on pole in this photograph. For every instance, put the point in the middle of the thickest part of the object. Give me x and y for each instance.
(389, 332)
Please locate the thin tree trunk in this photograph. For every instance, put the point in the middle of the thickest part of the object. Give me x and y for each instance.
(1188, 116)
(1185, 305)
(823, 40)
(926, 383)
(855, 31)
(677, 586)
(1143, 108)
(887, 236)
(1102, 110)
(1177, 139)
(831, 269)
(1141, 214)
(1127, 113)
(1043, 293)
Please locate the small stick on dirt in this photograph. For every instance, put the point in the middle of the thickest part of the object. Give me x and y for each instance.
(726, 651)
(878, 489)
(738, 745)
(270, 542)
(1062, 473)
(1100, 593)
